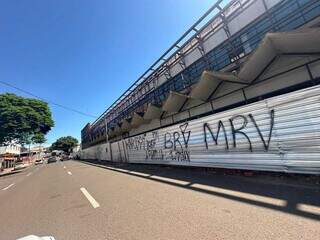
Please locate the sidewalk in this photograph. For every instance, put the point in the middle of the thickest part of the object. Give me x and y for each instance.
(6, 171)
(9, 171)
(262, 177)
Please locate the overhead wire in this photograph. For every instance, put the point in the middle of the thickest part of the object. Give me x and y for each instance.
(48, 101)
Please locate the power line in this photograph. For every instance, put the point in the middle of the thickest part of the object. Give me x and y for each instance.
(53, 103)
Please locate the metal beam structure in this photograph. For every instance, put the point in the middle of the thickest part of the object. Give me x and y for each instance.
(163, 59)
(150, 90)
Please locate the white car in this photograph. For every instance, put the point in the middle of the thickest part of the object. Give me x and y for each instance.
(39, 161)
(19, 166)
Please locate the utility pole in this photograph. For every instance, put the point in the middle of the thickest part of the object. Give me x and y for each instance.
(107, 140)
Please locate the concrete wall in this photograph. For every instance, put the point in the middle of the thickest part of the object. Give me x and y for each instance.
(101, 152)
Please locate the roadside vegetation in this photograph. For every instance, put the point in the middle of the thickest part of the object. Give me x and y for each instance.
(23, 120)
(64, 144)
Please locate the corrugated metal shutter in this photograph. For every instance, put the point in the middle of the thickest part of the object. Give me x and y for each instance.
(294, 143)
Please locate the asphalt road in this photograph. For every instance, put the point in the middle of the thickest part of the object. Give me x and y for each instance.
(74, 200)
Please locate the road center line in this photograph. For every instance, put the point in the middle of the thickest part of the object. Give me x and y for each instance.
(93, 202)
(69, 173)
(29, 174)
(64, 167)
(8, 186)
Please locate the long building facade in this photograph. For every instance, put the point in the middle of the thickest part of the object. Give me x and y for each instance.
(240, 89)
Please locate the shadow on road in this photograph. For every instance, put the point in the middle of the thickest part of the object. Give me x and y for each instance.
(281, 194)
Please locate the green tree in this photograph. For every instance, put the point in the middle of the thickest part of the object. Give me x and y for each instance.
(23, 119)
(64, 143)
(39, 138)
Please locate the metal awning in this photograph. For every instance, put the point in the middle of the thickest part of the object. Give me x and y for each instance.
(118, 130)
(126, 125)
(174, 102)
(153, 112)
(304, 42)
(209, 82)
(300, 42)
(138, 120)
(111, 132)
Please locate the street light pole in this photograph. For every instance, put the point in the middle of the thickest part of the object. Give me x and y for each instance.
(105, 122)
(107, 140)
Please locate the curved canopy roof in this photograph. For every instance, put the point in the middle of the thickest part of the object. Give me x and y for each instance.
(301, 42)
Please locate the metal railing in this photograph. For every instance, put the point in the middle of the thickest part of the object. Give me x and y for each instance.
(222, 55)
(174, 53)
(287, 15)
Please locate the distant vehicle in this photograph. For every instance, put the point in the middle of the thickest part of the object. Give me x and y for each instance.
(19, 166)
(56, 153)
(39, 161)
(52, 159)
(65, 157)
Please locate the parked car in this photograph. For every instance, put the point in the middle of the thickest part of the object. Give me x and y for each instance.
(39, 161)
(19, 166)
(52, 159)
(65, 157)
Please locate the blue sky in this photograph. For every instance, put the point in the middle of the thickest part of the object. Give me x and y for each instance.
(84, 54)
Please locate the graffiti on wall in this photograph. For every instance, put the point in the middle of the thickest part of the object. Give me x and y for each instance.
(152, 152)
(174, 145)
(207, 131)
(177, 144)
(136, 143)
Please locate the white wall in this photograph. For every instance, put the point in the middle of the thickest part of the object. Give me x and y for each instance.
(291, 121)
(13, 149)
(101, 152)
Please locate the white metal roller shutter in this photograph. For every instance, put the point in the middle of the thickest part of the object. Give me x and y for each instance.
(294, 144)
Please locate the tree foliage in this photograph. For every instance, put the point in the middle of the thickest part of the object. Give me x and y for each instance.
(38, 138)
(23, 120)
(64, 143)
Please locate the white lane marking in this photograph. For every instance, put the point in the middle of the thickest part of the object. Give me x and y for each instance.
(29, 174)
(69, 173)
(64, 167)
(8, 186)
(309, 208)
(93, 202)
(140, 174)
